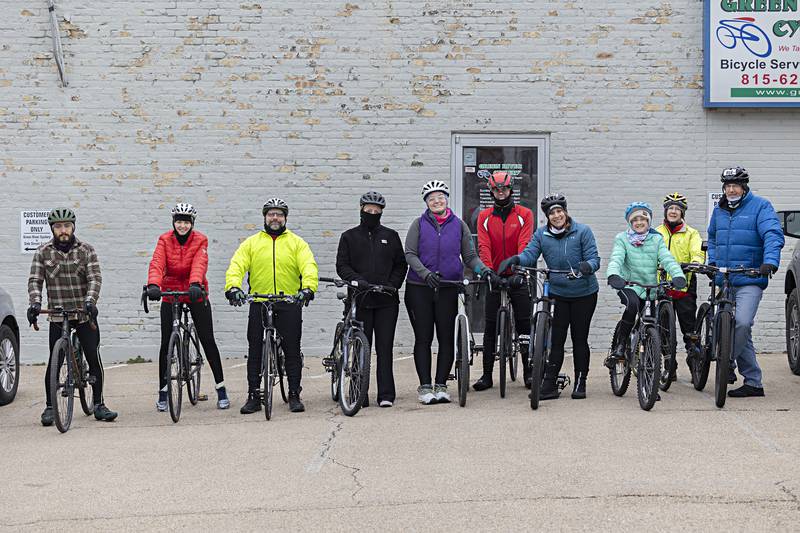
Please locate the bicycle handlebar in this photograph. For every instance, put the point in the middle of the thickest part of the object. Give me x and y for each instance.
(167, 293)
(388, 289)
(570, 274)
(65, 314)
(702, 268)
(463, 283)
(272, 298)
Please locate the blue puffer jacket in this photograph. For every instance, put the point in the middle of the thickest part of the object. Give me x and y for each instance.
(747, 236)
(565, 254)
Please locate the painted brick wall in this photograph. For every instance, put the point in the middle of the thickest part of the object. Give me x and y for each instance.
(224, 104)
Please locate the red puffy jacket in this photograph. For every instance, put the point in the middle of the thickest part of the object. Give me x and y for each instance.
(498, 240)
(174, 267)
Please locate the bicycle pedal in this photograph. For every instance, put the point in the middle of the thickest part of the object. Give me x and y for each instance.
(563, 381)
(451, 377)
(90, 380)
(202, 398)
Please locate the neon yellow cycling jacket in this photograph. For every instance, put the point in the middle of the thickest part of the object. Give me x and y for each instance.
(685, 245)
(275, 265)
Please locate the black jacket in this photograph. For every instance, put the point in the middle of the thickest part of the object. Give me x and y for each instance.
(377, 257)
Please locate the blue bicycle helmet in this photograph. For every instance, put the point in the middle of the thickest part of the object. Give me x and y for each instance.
(638, 206)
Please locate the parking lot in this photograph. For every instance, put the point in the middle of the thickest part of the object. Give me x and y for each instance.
(599, 463)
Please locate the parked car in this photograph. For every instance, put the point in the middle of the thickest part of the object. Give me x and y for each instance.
(790, 220)
(9, 350)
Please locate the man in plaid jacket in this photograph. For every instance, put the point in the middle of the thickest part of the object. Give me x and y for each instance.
(72, 272)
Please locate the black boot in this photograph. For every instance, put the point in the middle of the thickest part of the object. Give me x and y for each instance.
(550, 384)
(295, 405)
(483, 383)
(617, 354)
(252, 404)
(101, 412)
(526, 375)
(579, 392)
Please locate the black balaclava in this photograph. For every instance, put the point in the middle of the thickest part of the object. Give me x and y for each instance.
(502, 208)
(64, 247)
(182, 238)
(273, 232)
(370, 220)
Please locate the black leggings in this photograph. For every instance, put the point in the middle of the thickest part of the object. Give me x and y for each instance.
(574, 314)
(90, 340)
(203, 323)
(632, 303)
(686, 309)
(288, 320)
(382, 322)
(521, 307)
(426, 310)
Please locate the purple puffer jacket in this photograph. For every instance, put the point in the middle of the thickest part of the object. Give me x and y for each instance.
(439, 248)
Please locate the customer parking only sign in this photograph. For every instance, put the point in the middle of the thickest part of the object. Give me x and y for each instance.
(34, 230)
(752, 53)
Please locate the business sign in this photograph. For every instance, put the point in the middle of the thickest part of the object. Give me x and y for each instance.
(713, 200)
(752, 53)
(34, 230)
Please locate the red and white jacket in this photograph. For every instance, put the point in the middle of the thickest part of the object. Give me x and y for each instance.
(175, 267)
(498, 240)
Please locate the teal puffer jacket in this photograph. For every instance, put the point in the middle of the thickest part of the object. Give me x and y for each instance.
(640, 263)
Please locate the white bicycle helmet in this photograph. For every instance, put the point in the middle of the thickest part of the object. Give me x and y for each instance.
(435, 186)
(275, 203)
(184, 209)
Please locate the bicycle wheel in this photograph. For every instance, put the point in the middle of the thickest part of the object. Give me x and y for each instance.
(462, 358)
(355, 373)
(502, 348)
(336, 354)
(666, 332)
(620, 375)
(723, 355)
(513, 355)
(62, 384)
(649, 370)
(81, 382)
(280, 359)
(175, 376)
(194, 365)
(541, 353)
(269, 372)
(700, 362)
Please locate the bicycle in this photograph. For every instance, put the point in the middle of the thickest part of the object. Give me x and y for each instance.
(507, 344)
(68, 370)
(539, 351)
(716, 320)
(273, 367)
(642, 351)
(668, 333)
(463, 339)
(185, 357)
(349, 360)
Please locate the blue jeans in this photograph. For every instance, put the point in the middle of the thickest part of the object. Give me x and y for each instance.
(747, 299)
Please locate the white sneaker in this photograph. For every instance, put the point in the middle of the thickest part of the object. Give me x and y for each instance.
(161, 406)
(426, 395)
(440, 392)
(385, 403)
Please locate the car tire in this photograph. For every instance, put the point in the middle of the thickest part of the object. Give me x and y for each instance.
(793, 330)
(9, 364)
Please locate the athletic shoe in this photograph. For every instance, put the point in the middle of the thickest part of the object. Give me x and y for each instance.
(440, 392)
(425, 394)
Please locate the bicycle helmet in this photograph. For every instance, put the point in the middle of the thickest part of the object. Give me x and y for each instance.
(500, 178)
(372, 197)
(553, 200)
(61, 214)
(678, 199)
(636, 208)
(275, 203)
(735, 175)
(435, 186)
(184, 210)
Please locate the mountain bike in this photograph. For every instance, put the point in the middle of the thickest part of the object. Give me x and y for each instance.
(642, 351)
(716, 320)
(539, 350)
(665, 318)
(273, 360)
(507, 344)
(68, 370)
(349, 360)
(185, 363)
(464, 341)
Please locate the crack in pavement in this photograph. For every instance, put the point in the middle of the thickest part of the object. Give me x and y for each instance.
(673, 498)
(353, 473)
(789, 492)
(316, 463)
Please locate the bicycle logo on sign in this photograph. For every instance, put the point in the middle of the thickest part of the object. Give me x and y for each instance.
(731, 31)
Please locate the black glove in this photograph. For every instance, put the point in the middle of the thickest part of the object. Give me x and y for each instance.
(616, 282)
(711, 275)
(153, 292)
(305, 296)
(516, 281)
(433, 280)
(585, 268)
(195, 292)
(679, 283)
(767, 270)
(491, 276)
(507, 263)
(33, 313)
(91, 309)
(235, 296)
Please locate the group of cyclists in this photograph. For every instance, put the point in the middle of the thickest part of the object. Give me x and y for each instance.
(743, 231)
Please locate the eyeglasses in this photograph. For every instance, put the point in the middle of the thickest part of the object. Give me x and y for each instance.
(436, 198)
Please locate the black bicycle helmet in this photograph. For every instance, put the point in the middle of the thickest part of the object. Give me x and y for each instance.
(735, 175)
(553, 200)
(374, 198)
